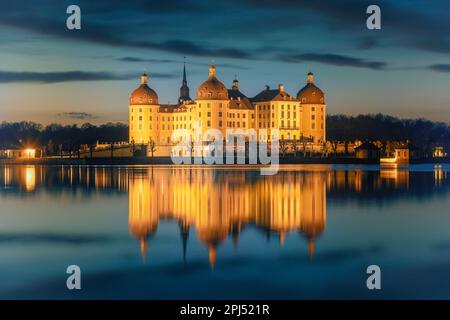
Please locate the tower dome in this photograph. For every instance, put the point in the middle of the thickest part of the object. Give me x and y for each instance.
(212, 89)
(311, 94)
(143, 95)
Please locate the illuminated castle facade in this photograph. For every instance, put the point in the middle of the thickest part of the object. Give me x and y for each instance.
(297, 118)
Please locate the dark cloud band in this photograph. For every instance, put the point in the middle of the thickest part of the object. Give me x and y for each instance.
(335, 60)
(77, 115)
(65, 76)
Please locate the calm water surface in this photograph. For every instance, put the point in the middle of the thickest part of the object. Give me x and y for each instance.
(187, 233)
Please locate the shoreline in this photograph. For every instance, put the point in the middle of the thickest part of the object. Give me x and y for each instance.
(168, 161)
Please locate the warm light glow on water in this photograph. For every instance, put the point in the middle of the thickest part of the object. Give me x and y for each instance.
(307, 232)
(30, 178)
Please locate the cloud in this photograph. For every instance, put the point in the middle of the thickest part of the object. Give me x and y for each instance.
(77, 115)
(54, 77)
(440, 67)
(367, 43)
(335, 60)
(236, 34)
(65, 76)
(25, 238)
(136, 59)
(332, 257)
(414, 25)
(106, 34)
(157, 61)
(191, 48)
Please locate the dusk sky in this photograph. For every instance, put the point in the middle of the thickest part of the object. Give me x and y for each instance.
(51, 74)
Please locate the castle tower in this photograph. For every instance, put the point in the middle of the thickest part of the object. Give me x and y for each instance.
(143, 113)
(212, 102)
(312, 102)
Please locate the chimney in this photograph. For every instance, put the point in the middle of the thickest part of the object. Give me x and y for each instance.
(281, 87)
(235, 85)
(310, 77)
(267, 88)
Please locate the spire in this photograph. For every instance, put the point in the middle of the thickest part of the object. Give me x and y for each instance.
(235, 233)
(184, 230)
(184, 72)
(212, 256)
(235, 85)
(310, 247)
(144, 249)
(184, 90)
(282, 238)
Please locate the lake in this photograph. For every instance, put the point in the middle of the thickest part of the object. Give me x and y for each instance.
(166, 232)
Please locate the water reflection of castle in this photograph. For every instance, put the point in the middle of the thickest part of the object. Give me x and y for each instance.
(218, 204)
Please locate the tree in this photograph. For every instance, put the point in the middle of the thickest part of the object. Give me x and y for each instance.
(295, 144)
(151, 146)
(325, 149)
(50, 147)
(284, 146)
(60, 148)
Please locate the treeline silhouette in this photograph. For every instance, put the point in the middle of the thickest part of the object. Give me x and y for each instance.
(56, 137)
(420, 132)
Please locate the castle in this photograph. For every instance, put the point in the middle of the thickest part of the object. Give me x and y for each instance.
(300, 118)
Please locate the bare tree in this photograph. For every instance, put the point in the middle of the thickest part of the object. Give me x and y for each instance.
(284, 146)
(335, 146)
(325, 149)
(152, 146)
(294, 145)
